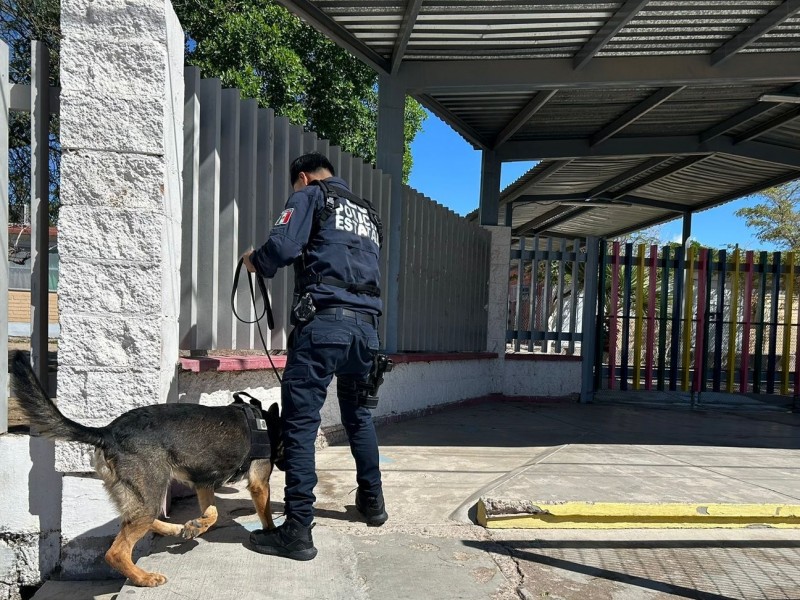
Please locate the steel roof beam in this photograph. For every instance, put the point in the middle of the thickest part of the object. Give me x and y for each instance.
(634, 114)
(645, 225)
(769, 21)
(740, 193)
(749, 190)
(523, 116)
(653, 177)
(742, 117)
(627, 175)
(563, 148)
(320, 21)
(467, 76)
(771, 153)
(568, 216)
(607, 32)
(557, 148)
(773, 123)
(545, 218)
(463, 128)
(401, 43)
(578, 196)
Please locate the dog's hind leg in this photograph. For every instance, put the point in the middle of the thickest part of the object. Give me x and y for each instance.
(162, 528)
(119, 555)
(191, 529)
(258, 486)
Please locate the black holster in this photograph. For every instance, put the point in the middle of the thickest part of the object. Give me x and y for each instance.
(365, 393)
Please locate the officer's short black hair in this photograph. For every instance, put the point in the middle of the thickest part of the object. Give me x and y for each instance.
(308, 163)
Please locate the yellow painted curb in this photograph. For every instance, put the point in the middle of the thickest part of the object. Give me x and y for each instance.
(494, 514)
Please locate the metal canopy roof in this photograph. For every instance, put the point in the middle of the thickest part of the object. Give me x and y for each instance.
(647, 109)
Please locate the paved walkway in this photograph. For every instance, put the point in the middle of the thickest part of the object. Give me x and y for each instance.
(437, 467)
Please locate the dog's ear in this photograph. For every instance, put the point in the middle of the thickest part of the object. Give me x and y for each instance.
(273, 410)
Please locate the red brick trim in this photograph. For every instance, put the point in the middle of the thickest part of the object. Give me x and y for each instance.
(198, 364)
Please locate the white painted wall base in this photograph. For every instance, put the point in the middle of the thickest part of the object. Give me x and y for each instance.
(409, 389)
(30, 511)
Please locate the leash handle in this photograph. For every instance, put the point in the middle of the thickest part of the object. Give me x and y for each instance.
(262, 288)
(267, 310)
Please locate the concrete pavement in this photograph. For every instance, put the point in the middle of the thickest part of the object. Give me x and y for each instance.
(437, 467)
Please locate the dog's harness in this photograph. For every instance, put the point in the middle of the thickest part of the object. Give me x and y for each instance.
(260, 446)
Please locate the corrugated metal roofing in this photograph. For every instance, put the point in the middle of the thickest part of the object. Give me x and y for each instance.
(697, 135)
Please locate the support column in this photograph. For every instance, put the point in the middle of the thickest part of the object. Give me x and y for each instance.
(687, 227)
(490, 188)
(589, 318)
(120, 236)
(40, 210)
(391, 121)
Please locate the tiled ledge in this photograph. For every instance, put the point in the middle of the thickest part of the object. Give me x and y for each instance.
(201, 364)
(412, 357)
(543, 357)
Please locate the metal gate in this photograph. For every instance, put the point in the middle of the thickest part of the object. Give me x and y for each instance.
(695, 319)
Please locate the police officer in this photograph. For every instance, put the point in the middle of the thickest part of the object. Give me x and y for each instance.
(332, 237)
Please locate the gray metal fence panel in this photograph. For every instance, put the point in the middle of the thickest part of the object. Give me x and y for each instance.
(208, 214)
(386, 192)
(335, 156)
(190, 208)
(248, 155)
(264, 213)
(5, 99)
(280, 287)
(241, 157)
(228, 214)
(40, 207)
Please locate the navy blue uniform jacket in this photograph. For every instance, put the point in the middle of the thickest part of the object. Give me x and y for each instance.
(345, 247)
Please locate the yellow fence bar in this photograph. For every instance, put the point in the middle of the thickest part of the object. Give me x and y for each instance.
(734, 316)
(787, 325)
(687, 318)
(637, 328)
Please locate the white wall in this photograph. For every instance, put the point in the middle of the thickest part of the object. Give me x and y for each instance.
(409, 389)
(30, 512)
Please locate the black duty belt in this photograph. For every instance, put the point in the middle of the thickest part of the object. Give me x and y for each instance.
(346, 312)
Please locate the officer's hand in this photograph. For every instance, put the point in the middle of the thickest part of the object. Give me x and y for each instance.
(246, 259)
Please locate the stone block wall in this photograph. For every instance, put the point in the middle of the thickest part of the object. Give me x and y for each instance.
(119, 235)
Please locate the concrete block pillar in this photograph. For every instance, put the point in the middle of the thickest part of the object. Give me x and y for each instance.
(497, 317)
(120, 246)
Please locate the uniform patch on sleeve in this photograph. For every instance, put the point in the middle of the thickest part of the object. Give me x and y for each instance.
(285, 217)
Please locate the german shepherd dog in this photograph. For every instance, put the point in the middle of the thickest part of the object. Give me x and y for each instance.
(140, 452)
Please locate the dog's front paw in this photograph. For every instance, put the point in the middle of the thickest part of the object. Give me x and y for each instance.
(151, 580)
(191, 529)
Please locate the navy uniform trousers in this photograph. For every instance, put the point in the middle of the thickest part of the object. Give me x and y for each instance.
(328, 345)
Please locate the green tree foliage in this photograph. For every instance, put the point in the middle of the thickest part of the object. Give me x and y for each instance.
(776, 219)
(254, 45)
(269, 54)
(20, 22)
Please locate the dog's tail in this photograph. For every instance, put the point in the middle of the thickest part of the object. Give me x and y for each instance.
(42, 412)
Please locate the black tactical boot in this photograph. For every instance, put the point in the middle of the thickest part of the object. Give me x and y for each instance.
(372, 507)
(291, 540)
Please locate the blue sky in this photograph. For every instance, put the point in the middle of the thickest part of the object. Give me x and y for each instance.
(447, 169)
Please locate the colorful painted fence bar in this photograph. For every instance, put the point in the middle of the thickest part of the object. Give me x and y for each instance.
(695, 319)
